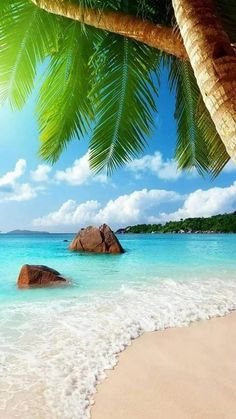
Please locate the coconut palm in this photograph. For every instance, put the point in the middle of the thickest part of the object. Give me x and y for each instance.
(103, 60)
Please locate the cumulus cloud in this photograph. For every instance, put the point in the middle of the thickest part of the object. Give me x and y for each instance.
(155, 164)
(70, 213)
(10, 187)
(13, 189)
(135, 207)
(79, 173)
(40, 174)
(21, 192)
(10, 178)
(126, 209)
(143, 206)
(204, 203)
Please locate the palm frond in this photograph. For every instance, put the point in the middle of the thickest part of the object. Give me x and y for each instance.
(218, 156)
(27, 36)
(124, 100)
(191, 149)
(63, 109)
(4, 5)
(198, 143)
(100, 4)
(114, 83)
(160, 11)
(227, 12)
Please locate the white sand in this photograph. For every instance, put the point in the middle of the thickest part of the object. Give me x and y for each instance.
(182, 373)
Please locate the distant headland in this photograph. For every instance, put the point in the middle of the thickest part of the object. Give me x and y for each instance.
(222, 223)
(26, 232)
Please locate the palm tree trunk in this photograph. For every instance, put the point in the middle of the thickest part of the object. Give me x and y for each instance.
(214, 63)
(156, 36)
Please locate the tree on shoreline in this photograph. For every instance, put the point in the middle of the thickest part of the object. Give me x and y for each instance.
(104, 61)
(221, 223)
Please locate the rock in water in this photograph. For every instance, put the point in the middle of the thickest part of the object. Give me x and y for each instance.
(38, 276)
(96, 240)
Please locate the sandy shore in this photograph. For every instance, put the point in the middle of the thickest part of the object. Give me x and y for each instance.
(184, 373)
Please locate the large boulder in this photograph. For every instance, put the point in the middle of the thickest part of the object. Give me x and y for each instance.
(96, 240)
(39, 276)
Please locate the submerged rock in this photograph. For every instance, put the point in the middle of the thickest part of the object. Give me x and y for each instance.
(38, 276)
(96, 240)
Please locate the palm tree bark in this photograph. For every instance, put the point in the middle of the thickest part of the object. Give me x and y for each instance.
(214, 63)
(156, 36)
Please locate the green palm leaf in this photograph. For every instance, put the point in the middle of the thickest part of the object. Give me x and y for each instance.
(114, 83)
(191, 149)
(159, 12)
(63, 109)
(27, 36)
(124, 100)
(4, 5)
(218, 156)
(227, 12)
(198, 144)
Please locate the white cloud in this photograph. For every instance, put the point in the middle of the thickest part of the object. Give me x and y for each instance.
(136, 207)
(79, 173)
(70, 213)
(40, 174)
(126, 209)
(155, 164)
(143, 206)
(10, 178)
(204, 203)
(22, 192)
(10, 187)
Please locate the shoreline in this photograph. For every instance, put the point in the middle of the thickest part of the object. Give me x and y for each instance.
(161, 233)
(182, 373)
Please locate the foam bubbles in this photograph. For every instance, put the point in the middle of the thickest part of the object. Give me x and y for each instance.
(52, 355)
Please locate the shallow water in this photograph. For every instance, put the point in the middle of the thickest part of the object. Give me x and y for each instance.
(56, 343)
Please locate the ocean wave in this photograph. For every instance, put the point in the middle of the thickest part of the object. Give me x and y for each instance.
(53, 354)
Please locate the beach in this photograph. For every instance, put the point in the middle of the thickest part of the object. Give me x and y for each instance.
(117, 253)
(180, 373)
(57, 343)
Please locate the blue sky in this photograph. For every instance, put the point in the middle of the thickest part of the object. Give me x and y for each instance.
(65, 197)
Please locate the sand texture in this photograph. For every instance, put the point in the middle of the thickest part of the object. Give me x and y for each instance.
(182, 373)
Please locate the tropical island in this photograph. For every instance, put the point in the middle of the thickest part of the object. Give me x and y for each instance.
(27, 232)
(118, 74)
(222, 223)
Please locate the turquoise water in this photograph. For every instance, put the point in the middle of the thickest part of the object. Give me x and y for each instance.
(147, 257)
(56, 343)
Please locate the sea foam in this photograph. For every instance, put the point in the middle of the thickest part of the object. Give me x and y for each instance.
(52, 355)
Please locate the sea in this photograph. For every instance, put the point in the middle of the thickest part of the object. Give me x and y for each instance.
(57, 343)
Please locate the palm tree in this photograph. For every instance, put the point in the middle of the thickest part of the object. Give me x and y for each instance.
(213, 60)
(103, 64)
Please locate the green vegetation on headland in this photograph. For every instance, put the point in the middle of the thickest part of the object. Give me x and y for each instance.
(225, 223)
